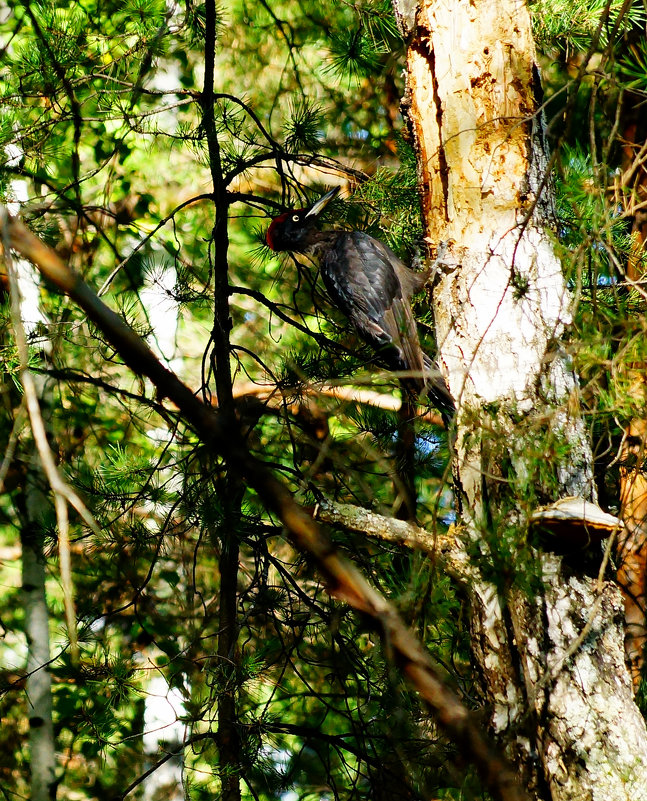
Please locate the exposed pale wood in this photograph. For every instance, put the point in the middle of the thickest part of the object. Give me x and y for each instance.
(501, 306)
(342, 579)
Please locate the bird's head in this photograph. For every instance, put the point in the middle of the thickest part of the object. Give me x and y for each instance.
(293, 230)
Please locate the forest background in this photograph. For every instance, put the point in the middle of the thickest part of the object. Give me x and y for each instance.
(192, 650)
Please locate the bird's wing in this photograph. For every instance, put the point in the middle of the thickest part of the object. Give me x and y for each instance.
(362, 277)
(400, 324)
(410, 281)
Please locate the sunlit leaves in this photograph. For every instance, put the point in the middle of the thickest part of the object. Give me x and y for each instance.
(576, 24)
(304, 127)
(352, 54)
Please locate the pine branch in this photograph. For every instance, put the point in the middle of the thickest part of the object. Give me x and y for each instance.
(343, 580)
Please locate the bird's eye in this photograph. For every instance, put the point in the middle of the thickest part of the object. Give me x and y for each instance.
(295, 218)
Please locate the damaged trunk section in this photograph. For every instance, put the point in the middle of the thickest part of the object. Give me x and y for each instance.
(546, 623)
(423, 88)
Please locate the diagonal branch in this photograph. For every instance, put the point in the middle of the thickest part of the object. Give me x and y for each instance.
(343, 580)
(390, 529)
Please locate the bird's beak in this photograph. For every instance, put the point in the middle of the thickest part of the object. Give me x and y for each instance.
(317, 207)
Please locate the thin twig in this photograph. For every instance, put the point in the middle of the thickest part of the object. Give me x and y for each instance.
(342, 578)
(11, 444)
(106, 284)
(63, 493)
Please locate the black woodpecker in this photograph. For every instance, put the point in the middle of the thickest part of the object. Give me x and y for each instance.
(372, 287)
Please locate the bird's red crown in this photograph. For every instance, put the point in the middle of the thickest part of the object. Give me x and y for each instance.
(270, 234)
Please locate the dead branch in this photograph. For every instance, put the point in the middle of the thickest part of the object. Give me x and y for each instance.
(343, 580)
(344, 394)
(399, 532)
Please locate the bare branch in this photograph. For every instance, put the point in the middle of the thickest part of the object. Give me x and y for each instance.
(399, 532)
(343, 580)
(62, 492)
(344, 394)
(11, 444)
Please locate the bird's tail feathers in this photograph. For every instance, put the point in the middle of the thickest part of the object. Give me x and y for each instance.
(436, 390)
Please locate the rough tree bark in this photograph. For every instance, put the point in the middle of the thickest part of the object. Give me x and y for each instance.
(631, 553)
(562, 703)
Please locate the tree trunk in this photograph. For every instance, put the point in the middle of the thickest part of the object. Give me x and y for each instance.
(563, 706)
(42, 753)
(229, 745)
(631, 551)
(33, 507)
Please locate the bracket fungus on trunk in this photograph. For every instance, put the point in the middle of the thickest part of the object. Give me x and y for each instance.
(572, 524)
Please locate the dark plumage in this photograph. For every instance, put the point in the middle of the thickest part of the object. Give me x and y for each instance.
(372, 287)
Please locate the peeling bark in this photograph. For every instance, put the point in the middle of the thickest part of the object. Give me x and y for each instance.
(550, 652)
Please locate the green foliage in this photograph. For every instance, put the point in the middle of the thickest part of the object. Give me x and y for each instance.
(585, 215)
(394, 195)
(104, 102)
(352, 54)
(303, 130)
(579, 24)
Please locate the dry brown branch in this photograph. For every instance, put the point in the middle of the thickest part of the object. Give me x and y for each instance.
(343, 580)
(21, 414)
(344, 394)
